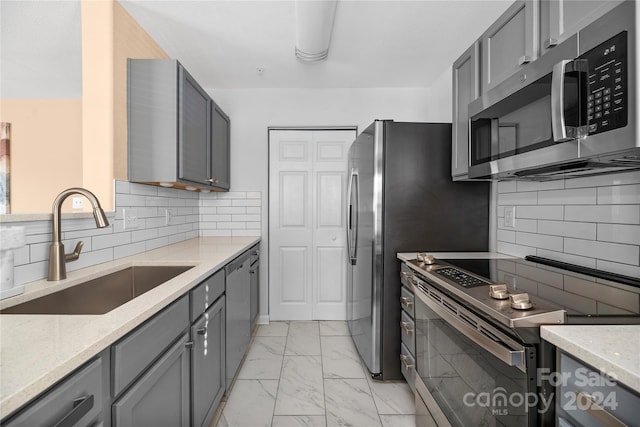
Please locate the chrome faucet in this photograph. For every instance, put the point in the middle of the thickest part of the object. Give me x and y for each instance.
(57, 257)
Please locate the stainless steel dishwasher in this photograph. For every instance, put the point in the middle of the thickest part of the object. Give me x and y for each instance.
(238, 330)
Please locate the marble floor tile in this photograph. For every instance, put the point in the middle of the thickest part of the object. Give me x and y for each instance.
(264, 358)
(301, 388)
(334, 327)
(299, 421)
(398, 420)
(349, 402)
(303, 339)
(393, 397)
(273, 329)
(340, 358)
(258, 395)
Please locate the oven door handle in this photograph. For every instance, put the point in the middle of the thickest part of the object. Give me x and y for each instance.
(510, 356)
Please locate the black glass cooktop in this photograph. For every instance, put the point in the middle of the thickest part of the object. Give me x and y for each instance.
(586, 299)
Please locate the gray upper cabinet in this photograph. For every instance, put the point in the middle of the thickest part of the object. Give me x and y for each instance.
(193, 131)
(509, 43)
(560, 19)
(466, 82)
(220, 143)
(176, 133)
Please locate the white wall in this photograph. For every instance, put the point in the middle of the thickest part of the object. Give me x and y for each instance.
(253, 111)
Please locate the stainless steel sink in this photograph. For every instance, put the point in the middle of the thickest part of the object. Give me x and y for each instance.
(101, 295)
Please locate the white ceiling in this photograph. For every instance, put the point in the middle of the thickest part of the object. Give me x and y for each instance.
(388, 43)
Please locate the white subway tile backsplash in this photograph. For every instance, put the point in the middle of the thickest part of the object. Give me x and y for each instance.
(583, 230)
(604, 180)
(526, 198)
(574, 196)
(195, 214)
(619, 195)
(247, 202)
(506, 186)
(619, 233)
(539, 185)
(543, 241)
(616, 267)
(619, 214)
(616, 252)
(506, 236)
(515, 250)
(540, 212)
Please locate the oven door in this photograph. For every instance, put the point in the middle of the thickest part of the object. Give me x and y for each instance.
(474, 373)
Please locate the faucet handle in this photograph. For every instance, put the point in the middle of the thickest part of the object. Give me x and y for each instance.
(76, 252)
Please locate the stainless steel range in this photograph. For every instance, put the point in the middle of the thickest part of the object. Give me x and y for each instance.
(479, 356)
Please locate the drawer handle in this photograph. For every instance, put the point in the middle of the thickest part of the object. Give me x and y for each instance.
(406, 302)
(587, 403)
(81, 407)
(405, 327)
(524, 60)
(403, 359)
(201, 331)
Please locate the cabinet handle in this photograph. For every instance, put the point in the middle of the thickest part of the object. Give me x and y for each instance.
(81, 407)
(403, 359)
(588, 404)
(201, 331)
(551, 42)
(524, 60)
(405, 327)
(406, 302)
(252, 271)
(188, 344)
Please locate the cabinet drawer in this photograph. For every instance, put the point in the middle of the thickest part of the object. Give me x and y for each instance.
(136, 351)
(76, 401)
(206, 293)
(407, 366)
(587, 398)
(407, 331)
(406, 301)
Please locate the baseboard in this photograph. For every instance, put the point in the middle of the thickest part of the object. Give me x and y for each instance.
(263, 319)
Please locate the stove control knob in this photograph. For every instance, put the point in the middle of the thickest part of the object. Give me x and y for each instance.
(521, 301)
(426, 258)
(498, 291)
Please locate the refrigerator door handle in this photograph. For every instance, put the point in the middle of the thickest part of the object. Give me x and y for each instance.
(354, 244)
(349, 216)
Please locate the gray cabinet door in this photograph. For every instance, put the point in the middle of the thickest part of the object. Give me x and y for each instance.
(560, 19)
(509, 43)
(77, 401)
(466, 82)
(161, 396)
(238, 308)
(193, 128)
(208, 363)
(220, 145)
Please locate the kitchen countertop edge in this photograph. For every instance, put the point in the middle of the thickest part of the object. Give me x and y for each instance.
(69, 341)
(612, 349)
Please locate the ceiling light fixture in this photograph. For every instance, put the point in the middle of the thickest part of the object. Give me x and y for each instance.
(314, 22)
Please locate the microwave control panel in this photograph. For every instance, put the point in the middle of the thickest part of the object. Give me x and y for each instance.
(607, 106)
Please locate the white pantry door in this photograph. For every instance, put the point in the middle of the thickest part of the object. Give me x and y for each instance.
(307, 230)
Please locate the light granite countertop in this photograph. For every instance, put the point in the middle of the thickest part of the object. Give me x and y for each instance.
(613, 349)
(36, 351)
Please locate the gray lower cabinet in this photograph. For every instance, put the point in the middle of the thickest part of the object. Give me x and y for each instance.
(238, 293)
(161, 396)
(208, 355)
(77, 401)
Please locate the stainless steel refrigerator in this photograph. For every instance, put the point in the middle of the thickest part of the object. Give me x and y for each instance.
(401, 198)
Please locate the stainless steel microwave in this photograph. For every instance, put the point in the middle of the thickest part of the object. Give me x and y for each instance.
(572, 112)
